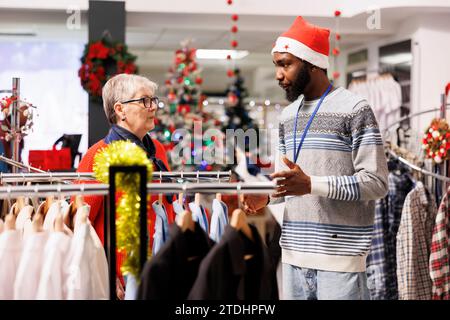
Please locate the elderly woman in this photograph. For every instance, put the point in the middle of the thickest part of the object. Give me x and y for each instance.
(130, 105)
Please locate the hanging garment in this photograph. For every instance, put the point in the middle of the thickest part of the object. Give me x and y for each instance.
(384, 94)
(414, 245)
(440, 252)
(53, 276)
(87, 271)
(55, 208)
(10, 252)
(161, 234)
(171, 274)
(23, 215)
(131, 287)
(381, 261)
(225, 274)
(199, 215)
(178, 208)
(30, 266)
(218, 220)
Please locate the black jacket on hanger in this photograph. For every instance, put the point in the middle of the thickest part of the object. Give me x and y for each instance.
(225, 274)
(171, 273)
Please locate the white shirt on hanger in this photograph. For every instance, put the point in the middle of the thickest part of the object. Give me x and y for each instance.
(10, 251)
(87, 271)
(53, 276)
(30, 266)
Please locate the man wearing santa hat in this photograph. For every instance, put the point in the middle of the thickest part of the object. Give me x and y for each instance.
(330, 171)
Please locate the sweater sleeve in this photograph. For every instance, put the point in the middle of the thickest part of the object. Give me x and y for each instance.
(369, 182)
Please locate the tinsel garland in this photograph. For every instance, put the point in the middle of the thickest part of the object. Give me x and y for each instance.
(125, 153)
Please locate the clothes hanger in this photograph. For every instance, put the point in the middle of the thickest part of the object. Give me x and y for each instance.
(218, 195)
(197, 198)
(58, 225)
(160, 195)
(239, 222)
(37, 222)
(72, 209)
(185, 221)
(10, 222)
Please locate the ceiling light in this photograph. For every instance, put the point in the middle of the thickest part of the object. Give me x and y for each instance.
(220, 54)
(397, 58)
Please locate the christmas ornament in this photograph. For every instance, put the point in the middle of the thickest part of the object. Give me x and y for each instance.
(234, 43)
(230, 73)
(230, 2)
(235, 17)
(435, 139)
(337, 13)
(336, 75)
(234, 29)
(336, 51)
(25, 112)
(125, 153)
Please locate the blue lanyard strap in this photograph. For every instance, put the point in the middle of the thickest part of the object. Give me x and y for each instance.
(297, 149)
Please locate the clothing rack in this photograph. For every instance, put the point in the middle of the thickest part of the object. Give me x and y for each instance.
(443, 167)
(19, 164)
(413, 166)
(158, 175)
(108, 191)
(152, 188)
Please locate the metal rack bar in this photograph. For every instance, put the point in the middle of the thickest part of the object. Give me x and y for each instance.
(55, 176)
(19, 164)
(153, 188)
(413, 166)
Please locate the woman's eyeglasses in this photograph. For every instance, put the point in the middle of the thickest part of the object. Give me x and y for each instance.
(148, 101)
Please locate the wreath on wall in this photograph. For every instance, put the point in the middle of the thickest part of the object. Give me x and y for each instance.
(100, 61)
(436, 141)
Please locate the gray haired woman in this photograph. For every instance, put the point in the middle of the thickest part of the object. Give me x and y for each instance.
(130, 105)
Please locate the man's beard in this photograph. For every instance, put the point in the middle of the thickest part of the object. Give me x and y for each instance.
(298, 85)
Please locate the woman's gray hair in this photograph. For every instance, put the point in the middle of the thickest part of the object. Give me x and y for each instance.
(123, 87)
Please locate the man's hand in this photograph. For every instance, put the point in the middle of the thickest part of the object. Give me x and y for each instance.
(293, 182)
(254, 202)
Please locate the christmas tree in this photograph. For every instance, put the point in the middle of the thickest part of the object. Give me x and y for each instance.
(183, 109)
(238, 117)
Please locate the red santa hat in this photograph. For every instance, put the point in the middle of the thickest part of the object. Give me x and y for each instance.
(305, 41)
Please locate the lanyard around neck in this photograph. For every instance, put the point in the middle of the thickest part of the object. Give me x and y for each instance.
(297, 149)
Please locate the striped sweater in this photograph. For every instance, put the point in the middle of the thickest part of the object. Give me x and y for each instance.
(331, 228)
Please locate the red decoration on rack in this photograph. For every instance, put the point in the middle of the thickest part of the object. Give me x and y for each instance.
(337, 13)
(230, 73)
(235, 17)
(234, 29)
(230, 2)
(234, 43)
(336, 51)
(336, 75)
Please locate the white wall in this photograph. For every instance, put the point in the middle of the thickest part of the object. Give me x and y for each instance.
(431, 65)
